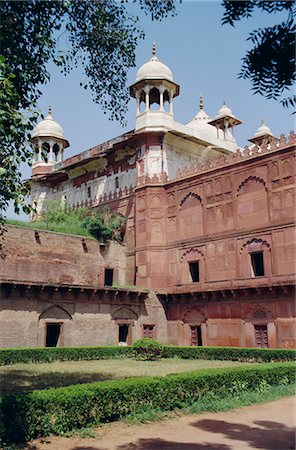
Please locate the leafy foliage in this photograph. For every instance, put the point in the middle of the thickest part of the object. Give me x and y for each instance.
(36, 355)
(99, 35)
(104, 225)
(147, 349)
(270, 64)
(59, 217)
(15, 128)
(230, 353)
(57, 411)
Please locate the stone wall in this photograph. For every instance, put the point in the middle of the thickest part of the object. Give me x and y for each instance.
(56, 258)
(218, 216)
(86, 317)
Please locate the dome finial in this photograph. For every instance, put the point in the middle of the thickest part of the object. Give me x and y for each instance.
(49, 116)
(154, 57)
(200, 102)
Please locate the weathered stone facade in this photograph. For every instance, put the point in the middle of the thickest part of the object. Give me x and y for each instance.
(209, 243)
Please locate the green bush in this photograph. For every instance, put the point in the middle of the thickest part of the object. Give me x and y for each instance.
(59, 217)
(41, 355)
(57, 411)
(36, 355)
(103, 225)
(147, 349)
(230, 353)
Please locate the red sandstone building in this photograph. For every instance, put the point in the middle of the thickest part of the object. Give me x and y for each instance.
(209, 251)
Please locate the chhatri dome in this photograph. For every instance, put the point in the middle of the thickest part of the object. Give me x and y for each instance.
(49, 143)
(224, 111)
(263, 130)
(200, 123)
(49, 128)
(154, 69)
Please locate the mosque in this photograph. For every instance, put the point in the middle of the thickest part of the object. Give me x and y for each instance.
(208, 256)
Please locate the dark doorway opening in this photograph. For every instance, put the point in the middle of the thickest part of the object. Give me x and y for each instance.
(53, 331)
(123, 333)
(261, 336)
(257, 264)
(108, 277)
(196, 337)
(194, 271)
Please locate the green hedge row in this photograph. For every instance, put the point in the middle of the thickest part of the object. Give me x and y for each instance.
(56, 411)
(40, 355)
(230, 353)
(43, 355)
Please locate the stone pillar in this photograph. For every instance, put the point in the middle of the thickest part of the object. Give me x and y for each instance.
(171, 102)
(147, 91)
(161, 91)
(39, 151)
(271, 333)
(50, 159)
(138, 103)
(61, 153)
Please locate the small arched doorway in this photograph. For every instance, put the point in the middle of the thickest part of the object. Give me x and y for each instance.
(194, 323)
(53, 326)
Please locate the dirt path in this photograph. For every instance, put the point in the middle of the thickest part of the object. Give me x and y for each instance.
(269, 426)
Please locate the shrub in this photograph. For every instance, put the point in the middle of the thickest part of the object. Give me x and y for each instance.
(41, 355)
(103, 225)
(35, 355)
(57, 411)
(147, 349)
(230, 353)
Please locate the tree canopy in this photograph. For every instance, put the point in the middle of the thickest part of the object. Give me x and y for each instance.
(99, 35)
(270, 64)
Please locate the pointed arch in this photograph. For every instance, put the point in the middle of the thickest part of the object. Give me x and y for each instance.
(252, 204)
(188, 196)
(55, 312)
(251, 179)
(192, 253)
(194, 316)
(254, 245)
(124, 313)
(259, 312)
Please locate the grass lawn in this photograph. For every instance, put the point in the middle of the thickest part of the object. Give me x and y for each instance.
(24, 377)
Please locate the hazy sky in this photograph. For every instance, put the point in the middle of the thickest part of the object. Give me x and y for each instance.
(203, 55)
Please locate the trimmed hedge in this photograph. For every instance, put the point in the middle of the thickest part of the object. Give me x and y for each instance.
(147, 349)
(230, 353)
(41, 355)
(56, 411)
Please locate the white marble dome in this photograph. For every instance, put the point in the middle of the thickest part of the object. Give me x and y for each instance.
(224, 111)
(48, 128)
(154, 70)
(263, 130)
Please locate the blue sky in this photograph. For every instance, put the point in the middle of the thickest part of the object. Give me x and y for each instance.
(203, 55)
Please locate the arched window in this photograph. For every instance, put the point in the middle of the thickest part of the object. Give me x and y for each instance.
(116, 183)
(56, 151)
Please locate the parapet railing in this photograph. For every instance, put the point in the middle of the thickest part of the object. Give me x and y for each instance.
(248, 152)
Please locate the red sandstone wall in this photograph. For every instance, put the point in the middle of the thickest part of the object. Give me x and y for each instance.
(218, 218)
(230, 321)
(55, 258)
